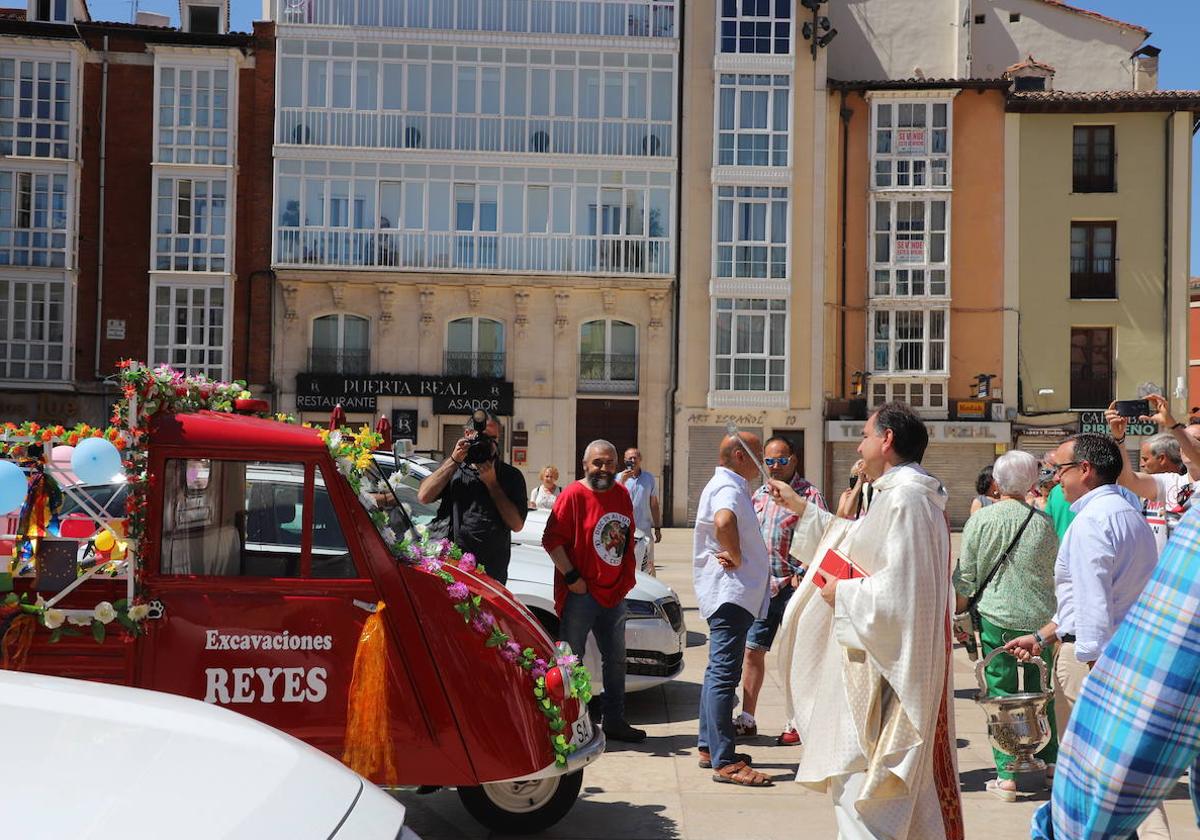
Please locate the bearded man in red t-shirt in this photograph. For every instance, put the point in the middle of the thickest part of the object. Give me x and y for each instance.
(589, 536)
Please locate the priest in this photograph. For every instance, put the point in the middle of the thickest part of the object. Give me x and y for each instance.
(866, 658)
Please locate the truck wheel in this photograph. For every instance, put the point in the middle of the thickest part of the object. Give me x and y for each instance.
(523, 807)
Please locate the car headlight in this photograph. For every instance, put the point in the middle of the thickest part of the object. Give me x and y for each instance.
(640, 609)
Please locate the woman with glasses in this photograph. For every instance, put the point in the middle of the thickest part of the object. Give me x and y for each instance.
(1019, 598)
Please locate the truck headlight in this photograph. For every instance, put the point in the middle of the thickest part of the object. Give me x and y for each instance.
(640, 609)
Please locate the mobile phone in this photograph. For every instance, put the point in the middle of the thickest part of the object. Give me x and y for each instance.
(1133, 408)
(853, 480)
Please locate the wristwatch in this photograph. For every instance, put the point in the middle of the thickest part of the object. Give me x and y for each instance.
(571, 576)
(1037, 635)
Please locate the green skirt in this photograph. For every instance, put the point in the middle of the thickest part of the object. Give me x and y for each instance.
(1001, 678)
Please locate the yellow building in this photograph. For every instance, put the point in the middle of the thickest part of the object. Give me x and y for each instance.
(1097, 190)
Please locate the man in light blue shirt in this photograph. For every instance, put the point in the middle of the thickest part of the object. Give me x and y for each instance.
(1107, 555)
(731, 570)
(647, 515)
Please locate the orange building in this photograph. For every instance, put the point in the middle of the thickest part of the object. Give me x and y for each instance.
(915, 310)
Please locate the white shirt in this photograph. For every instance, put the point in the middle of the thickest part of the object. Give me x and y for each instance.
(1169, 486)
(642, 488)
(1107, 555)
(747, 585)
(542, 498)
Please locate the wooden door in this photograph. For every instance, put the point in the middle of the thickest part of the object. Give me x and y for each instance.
(607, 419)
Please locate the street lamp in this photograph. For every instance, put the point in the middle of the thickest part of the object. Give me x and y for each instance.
(819, 31)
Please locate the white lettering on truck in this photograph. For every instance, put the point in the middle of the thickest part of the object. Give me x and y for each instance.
(225, 686)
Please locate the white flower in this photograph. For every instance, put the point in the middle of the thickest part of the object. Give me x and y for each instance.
(84, 620)
(335, 440)
(367, 500)
(138, 612)
(53, 618)
(104, 612)
(389, 536)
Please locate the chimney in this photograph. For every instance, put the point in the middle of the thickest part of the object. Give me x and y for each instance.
(1145, 68)
(152, 19)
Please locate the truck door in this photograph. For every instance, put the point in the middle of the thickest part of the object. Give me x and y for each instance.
(263, 598)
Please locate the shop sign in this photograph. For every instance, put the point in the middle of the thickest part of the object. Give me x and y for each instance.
(940, 431)
(404, 424)
(910, 141)
(970, 409)
(1093, 422)
(1045, 431)
(910, 250)
(450, 394)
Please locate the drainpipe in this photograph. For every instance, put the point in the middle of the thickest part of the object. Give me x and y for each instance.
(101, 237)
(669, 449)
(1168, 387)
(845, 114)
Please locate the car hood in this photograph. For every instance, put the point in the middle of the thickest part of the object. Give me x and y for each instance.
(102, 761)
(533, 565)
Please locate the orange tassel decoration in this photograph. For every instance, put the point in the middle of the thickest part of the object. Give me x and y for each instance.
(369, 749)
(16, 642)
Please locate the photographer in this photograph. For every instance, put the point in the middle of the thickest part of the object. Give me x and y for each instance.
(482, 499)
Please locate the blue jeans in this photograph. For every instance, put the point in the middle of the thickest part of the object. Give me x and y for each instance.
(581, 615)
(727, 629)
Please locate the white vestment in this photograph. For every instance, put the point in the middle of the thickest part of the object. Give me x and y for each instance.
(864, 681)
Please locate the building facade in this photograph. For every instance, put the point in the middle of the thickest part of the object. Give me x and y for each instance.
(127, 161)
(752, 267)
(475, 206)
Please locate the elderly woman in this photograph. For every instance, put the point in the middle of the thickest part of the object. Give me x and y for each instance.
(1020, 596)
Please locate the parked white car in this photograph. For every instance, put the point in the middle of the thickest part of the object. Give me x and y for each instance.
(100, 761)
(655, 635)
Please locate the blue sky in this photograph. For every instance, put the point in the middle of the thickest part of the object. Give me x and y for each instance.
(1173, 25)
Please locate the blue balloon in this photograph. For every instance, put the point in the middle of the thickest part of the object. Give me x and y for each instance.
(96, 461)
(13, 487)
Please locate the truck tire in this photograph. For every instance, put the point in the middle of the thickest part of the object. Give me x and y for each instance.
(522, 808)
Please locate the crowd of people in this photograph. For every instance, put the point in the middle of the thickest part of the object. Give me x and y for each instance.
(1078, 559)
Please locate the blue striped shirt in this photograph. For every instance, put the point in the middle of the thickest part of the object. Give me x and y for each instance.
(1136, 727)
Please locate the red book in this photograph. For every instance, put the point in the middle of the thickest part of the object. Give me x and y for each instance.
(836, 565)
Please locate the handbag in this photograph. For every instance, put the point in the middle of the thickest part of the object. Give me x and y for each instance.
(967, 624)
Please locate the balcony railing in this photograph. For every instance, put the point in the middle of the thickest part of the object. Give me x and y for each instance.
(391, 130)
(608, 372)
(629, 18)
(322, 360)
(493, 252)
(478, 365)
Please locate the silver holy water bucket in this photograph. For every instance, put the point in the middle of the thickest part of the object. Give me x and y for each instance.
(1017, 723)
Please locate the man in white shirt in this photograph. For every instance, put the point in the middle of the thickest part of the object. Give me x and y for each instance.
(1107, 555)
(730, 570)
(647, 514)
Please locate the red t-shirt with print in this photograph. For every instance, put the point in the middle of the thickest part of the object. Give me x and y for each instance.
(596, 531)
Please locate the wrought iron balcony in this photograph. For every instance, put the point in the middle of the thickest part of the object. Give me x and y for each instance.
(614, 373)
(323, 360)
(477, 365)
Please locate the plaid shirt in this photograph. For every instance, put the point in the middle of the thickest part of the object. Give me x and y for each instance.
(1136, 727)
(778, 524)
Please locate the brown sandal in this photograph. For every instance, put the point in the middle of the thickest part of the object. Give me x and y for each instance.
(705, 761)
(741, 773)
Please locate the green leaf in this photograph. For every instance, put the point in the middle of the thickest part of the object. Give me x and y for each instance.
(55, 634)
(121, 605)
(477, 600)
(97, 631)
(127, 623)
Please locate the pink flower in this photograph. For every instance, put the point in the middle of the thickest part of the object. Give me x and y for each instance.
(458, 591)
(508, 654)
(428, 564)
(483, 622)
(467, 562)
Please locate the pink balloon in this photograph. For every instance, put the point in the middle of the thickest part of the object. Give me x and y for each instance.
(60, 459)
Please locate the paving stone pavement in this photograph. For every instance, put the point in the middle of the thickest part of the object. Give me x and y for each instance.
(655, 790)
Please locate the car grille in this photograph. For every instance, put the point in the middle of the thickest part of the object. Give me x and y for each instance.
(651, 663)
(674, 613)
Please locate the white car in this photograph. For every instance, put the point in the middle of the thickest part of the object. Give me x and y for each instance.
(110, 761)
(655, 635)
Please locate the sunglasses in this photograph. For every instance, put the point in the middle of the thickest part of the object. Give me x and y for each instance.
(777, 462)
(1058, 468)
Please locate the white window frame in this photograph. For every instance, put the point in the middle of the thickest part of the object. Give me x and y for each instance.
(760, 397)
(31, 280)
(9, 249)
(607, 379)
(340, 349)
(11, 148)
(888, 389)
(458, 125)
(176, 177)
(893, 265)
(475, 351)
(32, 15)
(773, 85)
(184, 282)
(178, 65)
(926, 157)
(770, 18)
(893, 342)
(740, 196)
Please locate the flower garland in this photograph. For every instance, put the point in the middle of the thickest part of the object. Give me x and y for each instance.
(46, 434)
(431, 558)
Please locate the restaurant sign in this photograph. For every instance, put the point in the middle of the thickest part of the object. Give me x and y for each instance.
(360, 394)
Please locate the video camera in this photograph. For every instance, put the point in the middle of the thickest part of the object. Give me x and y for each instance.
(482, 448)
